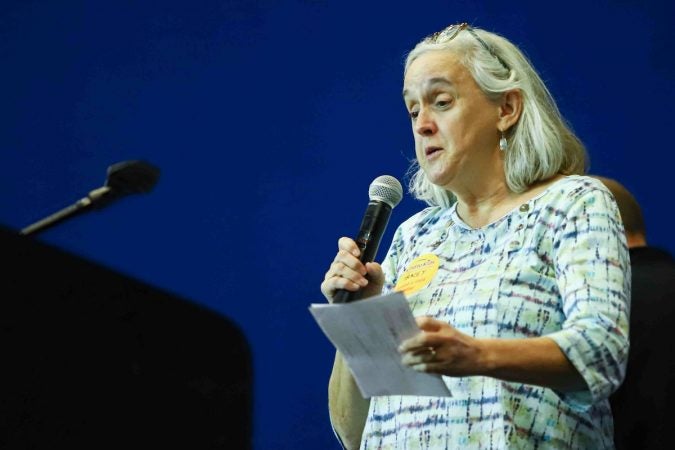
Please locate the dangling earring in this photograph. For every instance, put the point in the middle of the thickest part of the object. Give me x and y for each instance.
(503, 143)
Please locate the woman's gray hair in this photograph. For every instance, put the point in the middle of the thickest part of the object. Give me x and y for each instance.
(540, 144)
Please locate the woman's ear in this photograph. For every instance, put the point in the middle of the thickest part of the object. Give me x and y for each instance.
(509, 109)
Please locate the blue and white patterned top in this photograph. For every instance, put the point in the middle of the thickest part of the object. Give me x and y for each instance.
(558, 267)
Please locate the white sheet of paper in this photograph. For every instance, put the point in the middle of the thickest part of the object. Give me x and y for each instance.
(368, 334)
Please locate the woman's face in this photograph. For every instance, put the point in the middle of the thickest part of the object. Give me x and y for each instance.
(453, 122)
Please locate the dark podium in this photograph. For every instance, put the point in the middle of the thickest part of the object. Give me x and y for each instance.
(93, 359)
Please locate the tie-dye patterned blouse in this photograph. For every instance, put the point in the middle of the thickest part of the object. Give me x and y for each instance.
(557, 266)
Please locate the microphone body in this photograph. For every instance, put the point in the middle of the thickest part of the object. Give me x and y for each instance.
(385, 193)
(372, 228)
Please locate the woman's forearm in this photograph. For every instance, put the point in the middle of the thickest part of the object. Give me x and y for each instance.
(348, 409)
(441, 349)
(537, 361)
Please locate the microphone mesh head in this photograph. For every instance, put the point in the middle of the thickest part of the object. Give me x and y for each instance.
(386, 189)
(131, 177)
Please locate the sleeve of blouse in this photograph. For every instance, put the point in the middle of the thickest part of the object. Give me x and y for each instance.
(593, 273)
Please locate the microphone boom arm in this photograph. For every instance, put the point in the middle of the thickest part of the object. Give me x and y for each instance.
(73, 210)
(127, 177)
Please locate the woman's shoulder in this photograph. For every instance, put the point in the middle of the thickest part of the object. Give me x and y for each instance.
(430, 214)
(575, 185)
(571, 188)
(423, 219)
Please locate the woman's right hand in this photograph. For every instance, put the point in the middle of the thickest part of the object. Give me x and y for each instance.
(349, 273)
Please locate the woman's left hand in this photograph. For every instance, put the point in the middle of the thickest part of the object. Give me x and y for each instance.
(441, 349)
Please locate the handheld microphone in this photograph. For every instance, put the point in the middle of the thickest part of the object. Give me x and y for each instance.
(385, 192)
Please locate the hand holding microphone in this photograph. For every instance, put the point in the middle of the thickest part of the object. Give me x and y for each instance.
(353, 263)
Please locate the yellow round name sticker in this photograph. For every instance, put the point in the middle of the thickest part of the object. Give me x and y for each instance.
(418, 274)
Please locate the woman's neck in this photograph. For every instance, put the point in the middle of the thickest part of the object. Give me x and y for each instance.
(478, 208)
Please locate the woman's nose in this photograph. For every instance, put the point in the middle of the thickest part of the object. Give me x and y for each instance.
(425, 123)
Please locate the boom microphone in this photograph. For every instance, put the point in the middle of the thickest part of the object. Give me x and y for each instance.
(385, 192)
(123, 178)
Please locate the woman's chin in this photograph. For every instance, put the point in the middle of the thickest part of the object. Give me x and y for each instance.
(441, 180)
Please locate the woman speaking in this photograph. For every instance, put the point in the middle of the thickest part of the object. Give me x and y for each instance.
(525, 311)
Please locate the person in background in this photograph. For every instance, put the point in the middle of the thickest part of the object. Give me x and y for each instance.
(525, 307)
(643, 405)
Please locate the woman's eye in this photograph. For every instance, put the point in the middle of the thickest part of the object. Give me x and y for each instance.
(443, 103)
(413, 114)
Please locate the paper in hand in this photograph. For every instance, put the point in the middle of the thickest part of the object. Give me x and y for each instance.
(367, 333)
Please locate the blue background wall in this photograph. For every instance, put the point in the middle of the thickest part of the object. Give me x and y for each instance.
(269, 120)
